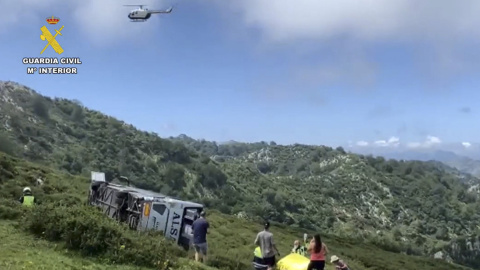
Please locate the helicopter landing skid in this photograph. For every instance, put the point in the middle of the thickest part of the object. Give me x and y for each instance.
(138, 20)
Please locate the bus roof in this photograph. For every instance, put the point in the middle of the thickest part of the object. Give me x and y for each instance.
(138, 192)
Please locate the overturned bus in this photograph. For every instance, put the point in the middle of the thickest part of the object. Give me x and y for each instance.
(145, 210)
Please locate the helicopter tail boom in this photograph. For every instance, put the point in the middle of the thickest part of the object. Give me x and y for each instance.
(161, 11)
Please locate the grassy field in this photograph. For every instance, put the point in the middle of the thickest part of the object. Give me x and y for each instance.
(230, 238)
(230, 241)
(22, 251)
(234, 238)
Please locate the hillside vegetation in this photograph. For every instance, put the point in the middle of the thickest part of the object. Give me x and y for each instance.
(462, 163)
(414, 199)
(412, 207)
(63, 233)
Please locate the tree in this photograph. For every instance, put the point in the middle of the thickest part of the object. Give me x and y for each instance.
(264, 167)
(397, 235)
(174, 177)
(388, 168)
(442, 233)
(269, 195)
(40, 107)
(78, 114)
(211, 177)
(7, 145)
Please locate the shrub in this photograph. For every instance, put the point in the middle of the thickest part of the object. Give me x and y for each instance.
(221, 262)
(9, 209)
(87, 230)
(61, 199)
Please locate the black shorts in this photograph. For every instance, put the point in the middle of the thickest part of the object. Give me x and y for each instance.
(316, 265)
(270, 261)
(259, 264)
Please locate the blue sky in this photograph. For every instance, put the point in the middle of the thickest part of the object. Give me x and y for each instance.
(316, 72)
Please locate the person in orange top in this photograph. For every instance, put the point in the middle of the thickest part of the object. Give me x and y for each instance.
(318, 252)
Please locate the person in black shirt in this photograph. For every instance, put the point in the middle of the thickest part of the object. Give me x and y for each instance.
(200, 230)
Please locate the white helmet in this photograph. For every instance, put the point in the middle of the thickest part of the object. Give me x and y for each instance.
(27, 189)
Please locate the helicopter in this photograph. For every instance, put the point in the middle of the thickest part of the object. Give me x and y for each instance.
(141, 15)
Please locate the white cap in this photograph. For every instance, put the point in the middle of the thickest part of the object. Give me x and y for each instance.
(334, 258)
(26, 189)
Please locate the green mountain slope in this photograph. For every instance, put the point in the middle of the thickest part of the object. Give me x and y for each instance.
(73, 138)
(414, 207)
(462, 163)
(37, 236)
(360, 190)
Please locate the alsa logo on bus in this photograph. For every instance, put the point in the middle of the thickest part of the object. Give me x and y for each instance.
(175, 227)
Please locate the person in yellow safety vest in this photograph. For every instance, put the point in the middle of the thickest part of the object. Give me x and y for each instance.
(27, 199)
(258, 261)
(299, 249)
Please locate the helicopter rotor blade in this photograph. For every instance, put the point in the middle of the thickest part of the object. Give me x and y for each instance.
(141, 6)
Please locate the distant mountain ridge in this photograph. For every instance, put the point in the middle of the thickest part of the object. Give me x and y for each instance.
(462, 163)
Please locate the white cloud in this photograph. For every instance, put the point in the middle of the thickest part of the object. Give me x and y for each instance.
(466, 144)
(441, 33)
(284, 20)
(362, 143)
(392, 142)
(101, 21)
(430, 141)
(380, 143)
(414, 145)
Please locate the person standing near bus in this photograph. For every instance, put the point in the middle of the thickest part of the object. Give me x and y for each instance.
(200, 230)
